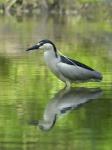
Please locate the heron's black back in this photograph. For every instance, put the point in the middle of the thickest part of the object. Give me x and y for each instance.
(74, 62)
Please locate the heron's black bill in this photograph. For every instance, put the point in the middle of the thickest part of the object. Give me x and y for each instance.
(33, 48)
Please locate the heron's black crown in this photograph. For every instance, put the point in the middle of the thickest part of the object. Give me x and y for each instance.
(46, 41)
(42, 42)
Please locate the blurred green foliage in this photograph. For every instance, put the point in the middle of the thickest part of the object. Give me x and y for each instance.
(20, 7)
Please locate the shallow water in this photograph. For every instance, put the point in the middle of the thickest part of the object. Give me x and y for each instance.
(35, 111)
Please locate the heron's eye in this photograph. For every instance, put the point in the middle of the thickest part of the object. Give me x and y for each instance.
(40, 43)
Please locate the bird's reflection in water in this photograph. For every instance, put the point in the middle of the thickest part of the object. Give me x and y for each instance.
(63, 102)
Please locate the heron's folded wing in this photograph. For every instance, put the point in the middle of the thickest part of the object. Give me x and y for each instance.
(70, 61)
(74, 70)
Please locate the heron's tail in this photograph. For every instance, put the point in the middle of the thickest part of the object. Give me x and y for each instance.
(98, 76)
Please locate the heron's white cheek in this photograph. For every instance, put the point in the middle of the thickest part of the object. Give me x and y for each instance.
(42, 47)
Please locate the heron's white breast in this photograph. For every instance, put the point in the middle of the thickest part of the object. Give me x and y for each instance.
(51, 60)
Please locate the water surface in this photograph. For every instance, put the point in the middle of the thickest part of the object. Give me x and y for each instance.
(35, 111)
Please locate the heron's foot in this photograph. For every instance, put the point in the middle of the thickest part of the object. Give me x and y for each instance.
(67, 85)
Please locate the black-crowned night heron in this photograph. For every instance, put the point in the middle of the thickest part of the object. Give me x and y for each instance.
(65, 68)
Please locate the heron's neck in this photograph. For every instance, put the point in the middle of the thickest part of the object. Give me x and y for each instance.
(52, 53)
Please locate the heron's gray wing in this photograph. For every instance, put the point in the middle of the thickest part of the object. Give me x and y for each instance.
(75, 70)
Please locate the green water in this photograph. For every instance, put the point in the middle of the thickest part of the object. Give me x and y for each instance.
(77, 119)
